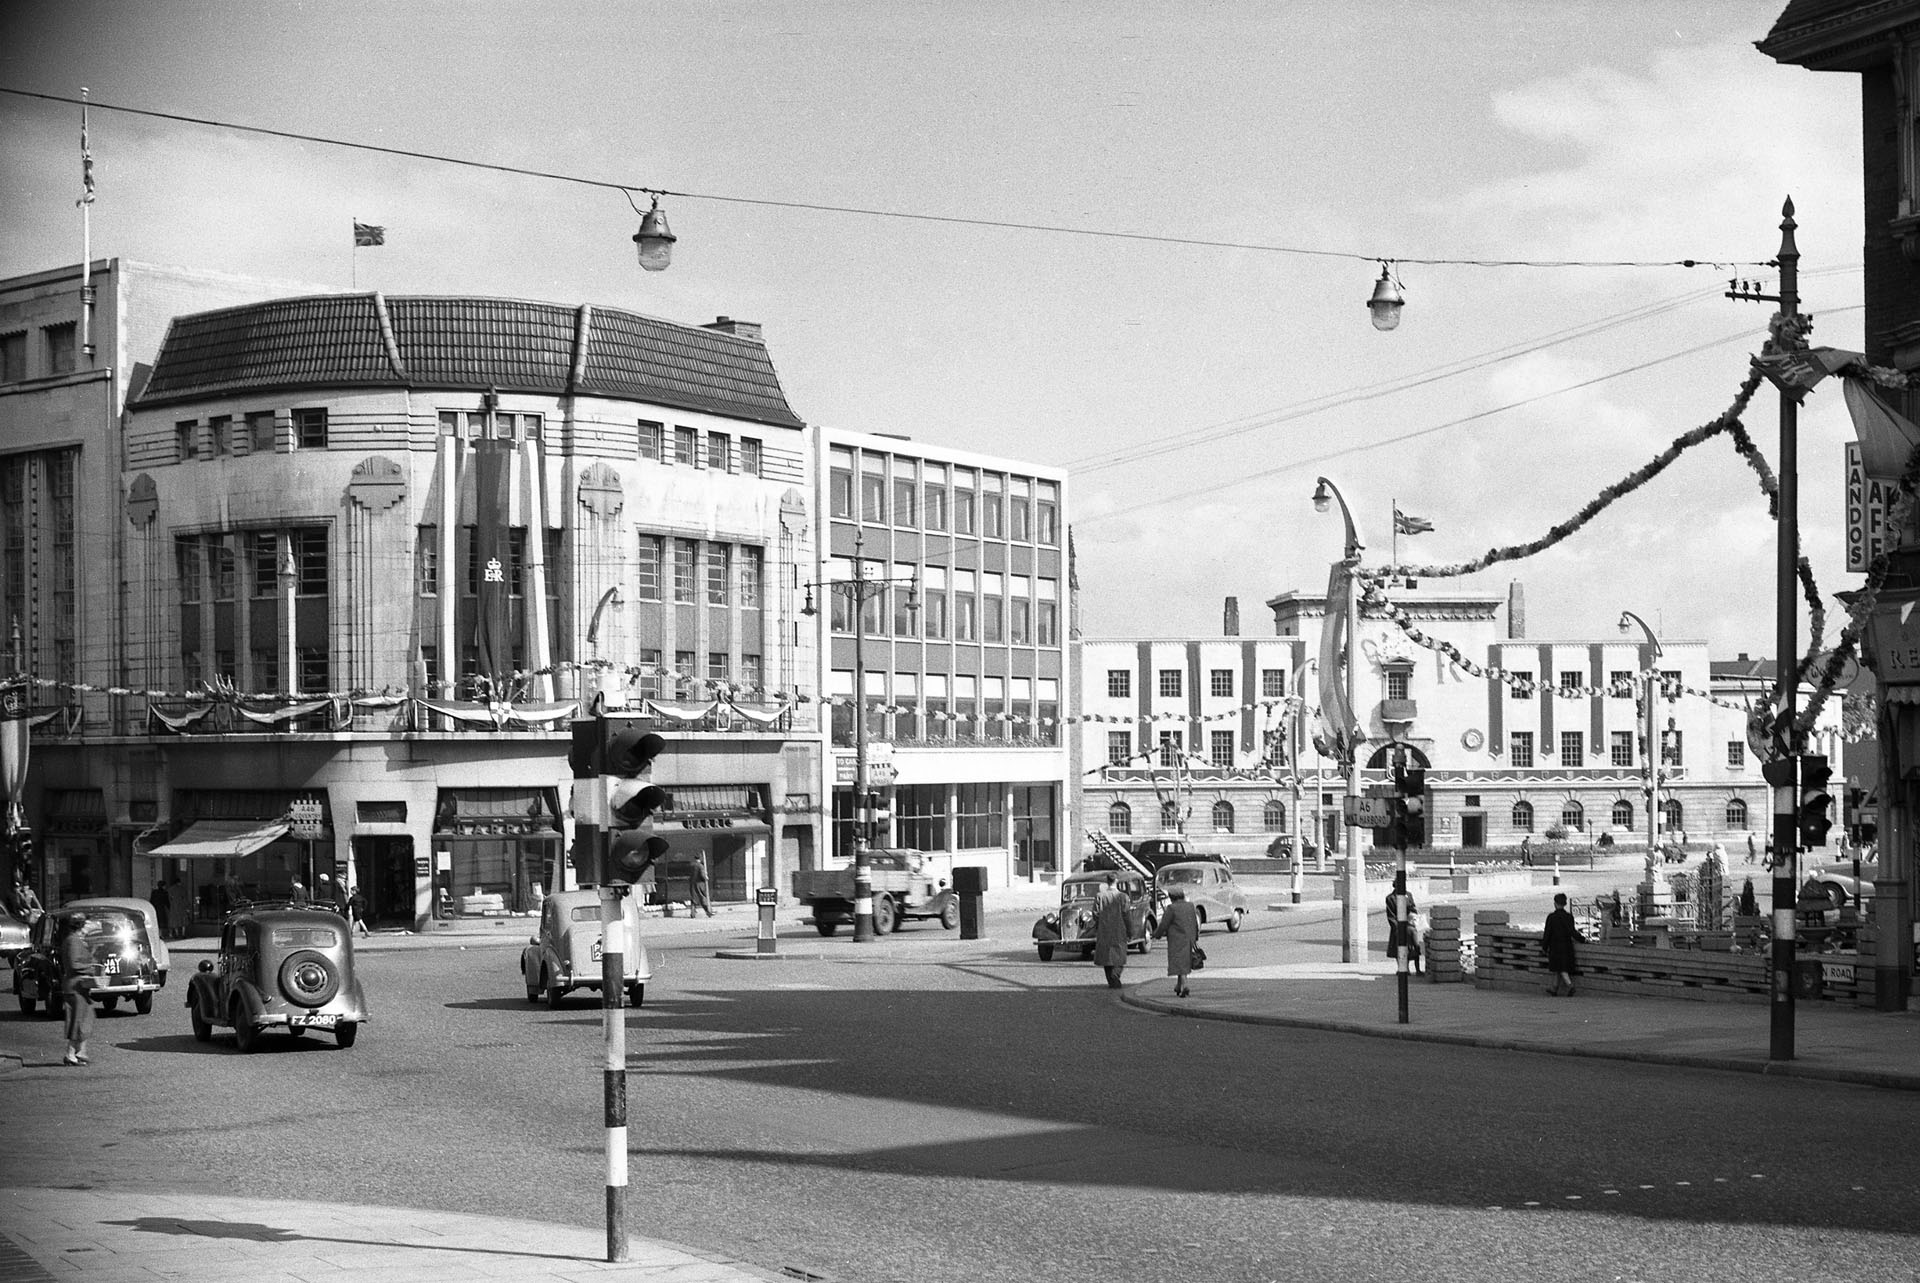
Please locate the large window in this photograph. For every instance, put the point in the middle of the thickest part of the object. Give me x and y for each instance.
(1119, 747)
(1736, 755)
(933, 507)
(1119, 683)
(1622, 814)
(1220, 748)
(1273, 683)
(1399, 680)
(260, 432)
(873, 488)
(1520, 748)
(1119, 818)
(1621, 748)
(981, 815)
(1170, 684)
(1273, 816)
(1671, 749)
(1573, 816)
(1573, 748)
(1046, 514)
(752, 575)
(686, 554)
(1736, 813)
(1220, 683)
(187, 556)
(1673, 815)
(1170, 748)
(1523, 816)
(653, 439)
(920, 816)
(1521, 685)
(646, 569)
(310, 429)
(840, 484)
(686, 447)
(1223, 817)
(717, 574)
(750, 450)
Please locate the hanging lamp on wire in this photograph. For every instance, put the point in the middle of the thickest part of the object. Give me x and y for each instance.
(653, 239)
(1387, 299)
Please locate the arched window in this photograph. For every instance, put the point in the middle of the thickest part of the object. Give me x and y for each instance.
(1275, 816)
(1736, 813)
(1170, 816)
(1623, 814)
(1223, 817)
(1119, 818)
(1523, 816)
(1573, 816)
(1674, 815)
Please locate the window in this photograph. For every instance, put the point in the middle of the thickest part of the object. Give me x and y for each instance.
(906, 494)
(220, 434)
(752, 672)
(1573, 748)
(964, 502)
(260, 432)
(686, 553)
(1736, 813)
(684, 673)
(1573, 816)
(1170, 683)
(873, 488)
(717, 667)
(59, 348)
(313, 668)
(686, 447)
(750, 456)
(1620, 684)
(966, 626)
(717, 574)
(1521, 684)
(1671, 749)
(1273, 683)
(1047, 615)
(1223, 817)
(992, 504)
(310, 433)
(1736, 755)
(1119, 683)
(1621, 751)
(1273, 816)
(13, 357)
(1220, 683)
(1569, 680)
(263, 552)
(646, 569)
(1671, 684)
(309, 566)
(183, 434)
(933, 605)
(220, 553)
(753, 561)
(719, 452)
(1021, 631)
(1523, 816)
(1020, 512)
(993, 607)
(1673, 815)
(1119, 747)
(1119, 818)
(653, 439)
(1398, 679)
(981, 817)
(186, 551)
(1170, 816)
(428, 560)
(1220, 748)
(1622, 814)
(1520, 748)
(1046, 514)
(1170, 747)
(840, 484)
(933, 498)
(650, 683)
(903, 604)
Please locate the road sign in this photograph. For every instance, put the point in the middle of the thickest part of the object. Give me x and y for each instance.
(303, 817)
(1369, 812)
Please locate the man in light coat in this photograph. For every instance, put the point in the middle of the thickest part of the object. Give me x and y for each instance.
(1110, 931)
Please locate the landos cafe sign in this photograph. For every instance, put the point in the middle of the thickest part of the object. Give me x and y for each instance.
(1893, 640)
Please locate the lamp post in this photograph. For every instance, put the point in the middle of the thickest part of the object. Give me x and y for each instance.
(1353, 914)
(1297, 890)
(859, 590)
(1651, 750)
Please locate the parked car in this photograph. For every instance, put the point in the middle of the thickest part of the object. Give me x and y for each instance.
(1837, 884)
(129, 959)
(15, 935)
(285, 968)
(1071, 927)
(1210, 889)
(566, 954)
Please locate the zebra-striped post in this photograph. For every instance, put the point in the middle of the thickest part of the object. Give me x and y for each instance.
(613, 971)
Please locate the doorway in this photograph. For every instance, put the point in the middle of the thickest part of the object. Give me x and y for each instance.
(383, 870)
(1473, 832)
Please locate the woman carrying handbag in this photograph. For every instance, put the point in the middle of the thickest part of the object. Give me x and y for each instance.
(1180, 927)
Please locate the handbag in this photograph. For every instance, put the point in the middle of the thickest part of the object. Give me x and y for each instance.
(1199, 957)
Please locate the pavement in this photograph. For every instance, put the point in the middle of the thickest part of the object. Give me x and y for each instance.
(99, 1235)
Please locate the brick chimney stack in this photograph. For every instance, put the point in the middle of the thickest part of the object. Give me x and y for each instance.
(740, 329)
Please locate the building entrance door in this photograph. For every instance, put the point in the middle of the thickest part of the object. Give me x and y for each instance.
(1473, 832)
(383, 869)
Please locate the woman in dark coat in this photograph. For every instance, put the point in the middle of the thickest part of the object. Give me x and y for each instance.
(1180, 928)
(1558, 941)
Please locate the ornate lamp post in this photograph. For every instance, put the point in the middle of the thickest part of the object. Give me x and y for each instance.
(1353, 914)
(1297, 890)
(858, 591)
(1650, 751)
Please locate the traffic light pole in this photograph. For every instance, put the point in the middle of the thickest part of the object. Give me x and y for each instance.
(1786, 837)
(613, 1001)
(862, 864)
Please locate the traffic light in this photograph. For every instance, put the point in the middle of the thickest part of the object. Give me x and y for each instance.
(1815, 810)
(626, 763)
(1410, 808)
(875, 814)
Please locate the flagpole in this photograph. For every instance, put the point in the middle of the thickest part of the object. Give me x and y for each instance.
(86, 235)
(353, 254)
(1393, 568)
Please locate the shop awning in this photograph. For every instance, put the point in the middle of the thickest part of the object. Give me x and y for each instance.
(220, 840)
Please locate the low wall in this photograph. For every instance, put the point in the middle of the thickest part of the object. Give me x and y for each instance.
(1508, 957)
(1425, 884)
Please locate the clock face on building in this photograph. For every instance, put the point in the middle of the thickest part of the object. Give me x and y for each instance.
(1472, 740)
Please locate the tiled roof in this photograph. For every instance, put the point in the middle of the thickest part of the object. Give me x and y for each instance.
(337, 341)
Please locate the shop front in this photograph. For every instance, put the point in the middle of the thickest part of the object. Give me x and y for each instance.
(232, 848)
(74, 847)
(721, 826)
(496, 852)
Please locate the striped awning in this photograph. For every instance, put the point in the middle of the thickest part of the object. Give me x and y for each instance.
(220, 840)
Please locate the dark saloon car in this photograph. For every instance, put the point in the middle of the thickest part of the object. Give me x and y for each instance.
(1071, 926)
(285, 968)
(129, 961)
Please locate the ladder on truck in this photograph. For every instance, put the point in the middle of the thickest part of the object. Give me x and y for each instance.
(1116, 855)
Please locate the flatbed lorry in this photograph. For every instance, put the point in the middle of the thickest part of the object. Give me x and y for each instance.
(902, 891)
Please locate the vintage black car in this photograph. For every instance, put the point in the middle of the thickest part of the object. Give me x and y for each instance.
(1071, 926)
(285, 968)
(129, 960)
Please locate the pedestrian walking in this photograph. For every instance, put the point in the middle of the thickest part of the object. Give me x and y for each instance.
(1110, 932)
(1752, 852)
(299, 895)
(162, 902)
(182, 906)
(1558, 941)
(1180, 928)
(342, 898)
(698, 880)
(77, 978)
(1526, 849)
(356, 906)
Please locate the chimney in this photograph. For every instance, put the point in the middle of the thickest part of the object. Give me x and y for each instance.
(1516, 611)
(740, 329)
(1232, 625)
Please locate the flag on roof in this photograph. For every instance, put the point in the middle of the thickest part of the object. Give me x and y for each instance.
(86, 163)
(1409, 525)
(368, 234)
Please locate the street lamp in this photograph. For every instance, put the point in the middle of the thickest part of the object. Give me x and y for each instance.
(653, 241)
(1386, 302)
(1353, 915)
(859, 590)
(1651, 749)
(1297, 891)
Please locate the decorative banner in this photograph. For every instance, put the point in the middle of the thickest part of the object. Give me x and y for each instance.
(16, 700)
(493, 631)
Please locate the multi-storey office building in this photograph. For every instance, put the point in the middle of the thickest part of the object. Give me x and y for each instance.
(964, 674)
(369, 550)
(1528, 737)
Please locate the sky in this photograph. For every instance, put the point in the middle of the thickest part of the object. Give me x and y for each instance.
(1197, 367)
